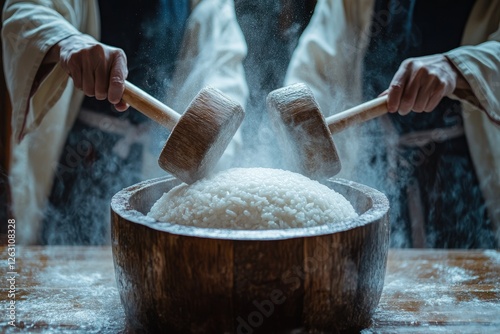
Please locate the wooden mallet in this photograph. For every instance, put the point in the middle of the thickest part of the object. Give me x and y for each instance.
(198, 137)
(305, 136)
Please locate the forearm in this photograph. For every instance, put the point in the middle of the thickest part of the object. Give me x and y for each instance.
(52, 56)
(461, 82)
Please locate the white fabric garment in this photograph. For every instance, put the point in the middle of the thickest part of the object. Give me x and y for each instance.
(328, 59)
(211, 54)
(30, 28)
(330, 54)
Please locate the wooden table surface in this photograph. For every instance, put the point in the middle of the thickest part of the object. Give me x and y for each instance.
(73, 290)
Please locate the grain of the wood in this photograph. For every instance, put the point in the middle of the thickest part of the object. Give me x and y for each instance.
(149, 106)
(253, 276)
(61, 290)
(305, 135)
(198, 137)
(73, 290)
(324, 277)
(446, 289)
(302, 133)
(358, 114)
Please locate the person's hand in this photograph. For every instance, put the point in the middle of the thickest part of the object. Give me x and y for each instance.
(421, 83)
(97, 69)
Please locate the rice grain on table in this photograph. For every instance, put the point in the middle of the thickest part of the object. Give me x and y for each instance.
(253, 198)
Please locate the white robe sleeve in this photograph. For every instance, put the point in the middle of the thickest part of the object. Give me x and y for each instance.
(329, 55)
(328, 59)
(30, 29)
(480, 65)
(211, 54)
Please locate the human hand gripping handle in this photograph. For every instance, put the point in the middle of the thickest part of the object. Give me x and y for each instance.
(100, 71)
(418, 85)
(421, 83)
(97, 69)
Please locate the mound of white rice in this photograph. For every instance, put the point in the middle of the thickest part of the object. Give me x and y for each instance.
(253, 198)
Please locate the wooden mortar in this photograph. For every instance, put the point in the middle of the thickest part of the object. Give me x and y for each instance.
(174, 278)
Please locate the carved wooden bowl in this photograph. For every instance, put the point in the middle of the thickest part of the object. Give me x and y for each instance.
(174, 278)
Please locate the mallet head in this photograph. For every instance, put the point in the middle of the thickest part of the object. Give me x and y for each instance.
(302, 132)
(201, 136)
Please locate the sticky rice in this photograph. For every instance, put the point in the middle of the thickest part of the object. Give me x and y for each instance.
(253, 198)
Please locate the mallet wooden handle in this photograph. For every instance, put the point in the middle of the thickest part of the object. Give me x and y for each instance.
(363, 112)
(150, 106)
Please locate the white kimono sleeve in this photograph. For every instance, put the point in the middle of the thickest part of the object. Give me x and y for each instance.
(480, 65)
(39, 121)
(328, 59)
(30, 29)
(211, 54)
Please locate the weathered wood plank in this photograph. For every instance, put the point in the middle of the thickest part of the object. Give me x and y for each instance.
(73, 290)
